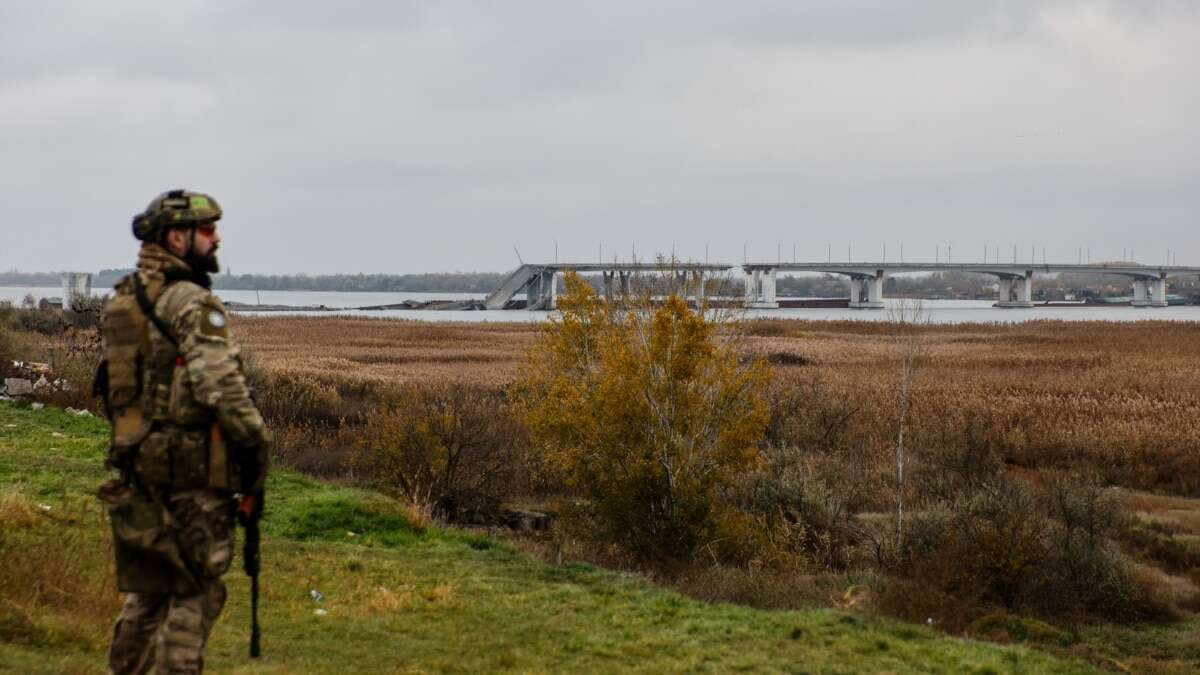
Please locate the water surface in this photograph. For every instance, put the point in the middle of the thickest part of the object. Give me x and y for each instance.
(939, 311)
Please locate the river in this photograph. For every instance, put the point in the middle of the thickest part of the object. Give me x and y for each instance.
(938, 311)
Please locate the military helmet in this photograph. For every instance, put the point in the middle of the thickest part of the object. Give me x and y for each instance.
(177, 208)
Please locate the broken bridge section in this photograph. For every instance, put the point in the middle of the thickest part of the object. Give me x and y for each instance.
(539, 282)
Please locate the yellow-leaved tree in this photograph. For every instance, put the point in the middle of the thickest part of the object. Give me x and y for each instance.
(647, 414)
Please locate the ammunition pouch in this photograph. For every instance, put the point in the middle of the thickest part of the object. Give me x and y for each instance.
(173, 458)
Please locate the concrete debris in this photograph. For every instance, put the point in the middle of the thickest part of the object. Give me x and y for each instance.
(79, 413)
(37, 406)
(17, 386)
(525, 521)
(41, 383)
(32, 367)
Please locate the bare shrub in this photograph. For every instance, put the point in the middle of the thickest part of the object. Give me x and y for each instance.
(74, 355)
(84, 311)
(447, 448)
(811, 414)
(42, 321)
(1161, 544)
(811, 518)
(1000, 538)
(1084, 573)
(986, 546)
(960, 462)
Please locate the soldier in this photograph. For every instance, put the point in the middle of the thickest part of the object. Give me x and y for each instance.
(174, 389)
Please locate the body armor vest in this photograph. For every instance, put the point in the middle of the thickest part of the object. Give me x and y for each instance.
(143, 380)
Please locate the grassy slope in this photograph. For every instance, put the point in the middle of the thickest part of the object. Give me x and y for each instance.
(400, 600)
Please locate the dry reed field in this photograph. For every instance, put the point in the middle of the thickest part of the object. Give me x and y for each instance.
(351, 352)
(1119, 398)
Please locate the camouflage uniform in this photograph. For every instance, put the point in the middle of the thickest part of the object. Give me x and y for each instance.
(173, 509)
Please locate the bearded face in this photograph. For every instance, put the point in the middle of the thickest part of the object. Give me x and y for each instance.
(205, 263)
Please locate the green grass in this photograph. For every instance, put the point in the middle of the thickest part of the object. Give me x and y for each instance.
(402, 600)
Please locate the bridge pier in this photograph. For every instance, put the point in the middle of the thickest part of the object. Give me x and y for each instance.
(866, 292)
(1149, 292)
(1016, 291)
(760, 289)
(542, 292)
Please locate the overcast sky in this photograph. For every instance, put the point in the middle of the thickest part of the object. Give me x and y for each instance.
(401, 137)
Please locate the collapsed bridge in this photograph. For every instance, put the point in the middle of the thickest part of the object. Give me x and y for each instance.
(539, 282)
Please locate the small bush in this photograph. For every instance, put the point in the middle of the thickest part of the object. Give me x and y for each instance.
(637, 405)
(986, 546)
(84, 311)
(807, 516)
(444, 448)
(811, 414)
(1159, 543)
(1002, 627)
(42, 321)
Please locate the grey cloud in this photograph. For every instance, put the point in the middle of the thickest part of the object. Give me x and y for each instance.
(462, 128)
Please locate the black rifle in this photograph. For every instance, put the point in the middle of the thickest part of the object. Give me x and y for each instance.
(249, 513)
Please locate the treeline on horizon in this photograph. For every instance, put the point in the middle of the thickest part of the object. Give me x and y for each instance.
(952, 284)
(447, 282)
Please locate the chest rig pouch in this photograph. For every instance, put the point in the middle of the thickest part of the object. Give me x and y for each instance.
(120, 378)
(139, 380)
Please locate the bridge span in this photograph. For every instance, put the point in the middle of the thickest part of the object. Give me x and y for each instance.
(1016, 279)
(539, 281)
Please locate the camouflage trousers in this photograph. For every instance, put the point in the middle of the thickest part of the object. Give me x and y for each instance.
(169, 630)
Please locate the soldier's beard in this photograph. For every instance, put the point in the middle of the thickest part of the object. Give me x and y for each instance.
(205, 263)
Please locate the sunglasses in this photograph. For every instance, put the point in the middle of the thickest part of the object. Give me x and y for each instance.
(207, 228)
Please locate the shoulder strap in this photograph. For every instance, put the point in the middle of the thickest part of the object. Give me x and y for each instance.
(143, 300)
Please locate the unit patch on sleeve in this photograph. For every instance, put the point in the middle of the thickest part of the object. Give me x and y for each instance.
(214, 323)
